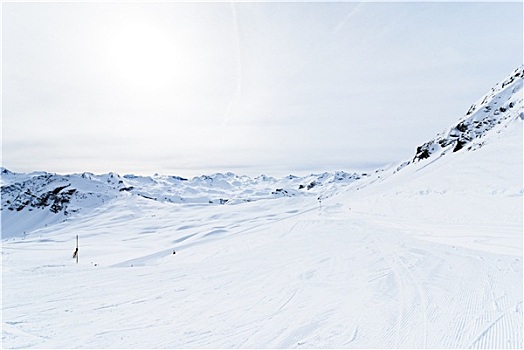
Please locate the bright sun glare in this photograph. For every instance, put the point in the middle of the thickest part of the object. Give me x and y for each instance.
(145, 56)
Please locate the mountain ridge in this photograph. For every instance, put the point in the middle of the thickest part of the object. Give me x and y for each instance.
(499, 106)
(63, 195)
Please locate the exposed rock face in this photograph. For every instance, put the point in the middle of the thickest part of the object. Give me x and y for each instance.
(54, 193)
(500, 106)
(38, 193)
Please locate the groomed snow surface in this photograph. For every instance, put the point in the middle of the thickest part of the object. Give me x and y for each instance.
(429, 257)
(426, 255)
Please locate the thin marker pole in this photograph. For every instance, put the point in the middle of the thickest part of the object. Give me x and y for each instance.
(77, 249)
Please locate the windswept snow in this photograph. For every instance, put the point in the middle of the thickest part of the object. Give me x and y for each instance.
(423, 255)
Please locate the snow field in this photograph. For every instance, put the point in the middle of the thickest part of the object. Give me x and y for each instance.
(427, 254)
(277, 274)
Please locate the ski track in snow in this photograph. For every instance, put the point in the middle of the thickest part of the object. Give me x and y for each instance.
(425, 256)
(280, 280)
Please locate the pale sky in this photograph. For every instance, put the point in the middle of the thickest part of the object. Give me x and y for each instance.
(255, 87)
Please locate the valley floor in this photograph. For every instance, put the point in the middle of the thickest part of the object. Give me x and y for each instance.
(270, 274)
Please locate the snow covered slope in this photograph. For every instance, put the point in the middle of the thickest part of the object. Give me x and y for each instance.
(426, 254)
(471, 175)
(32, 201)
(502, 105)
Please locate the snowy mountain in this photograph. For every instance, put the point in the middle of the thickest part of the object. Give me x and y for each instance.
(424, 254)
(471, 174)
(68, 194)
(41, 198)
(502, 105)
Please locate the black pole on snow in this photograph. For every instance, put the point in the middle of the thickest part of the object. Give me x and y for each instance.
(75, 254)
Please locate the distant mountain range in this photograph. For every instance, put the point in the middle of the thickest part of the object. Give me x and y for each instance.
(43, 198)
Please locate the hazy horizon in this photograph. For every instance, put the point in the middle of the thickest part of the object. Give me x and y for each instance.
(275, 88)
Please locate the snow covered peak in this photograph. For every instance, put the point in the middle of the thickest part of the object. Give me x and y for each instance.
(51, 197)
(501, 105)
(5, 171)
